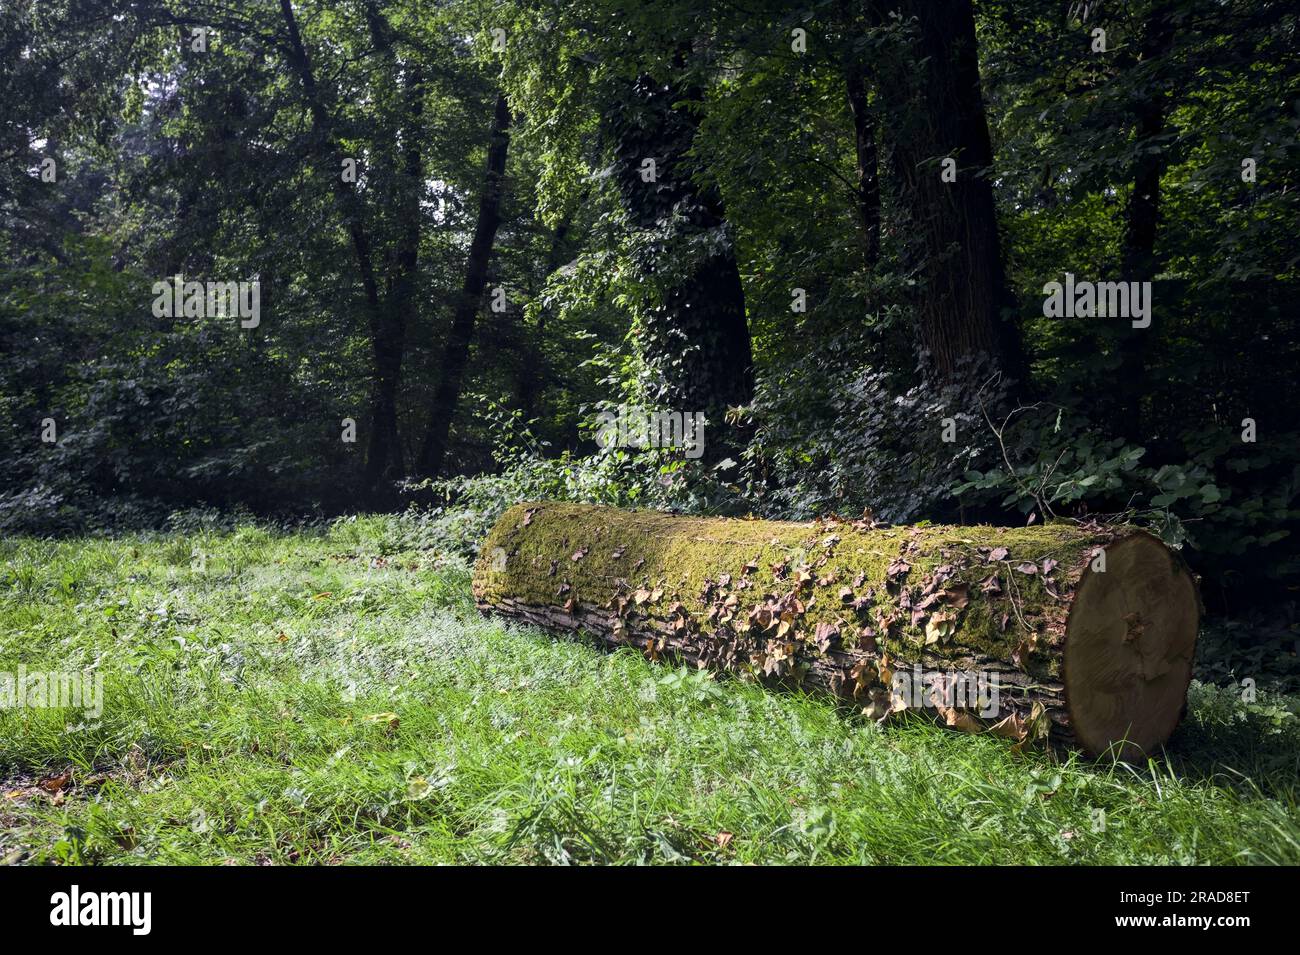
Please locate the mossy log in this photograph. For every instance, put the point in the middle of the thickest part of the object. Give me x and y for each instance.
(1081, 632)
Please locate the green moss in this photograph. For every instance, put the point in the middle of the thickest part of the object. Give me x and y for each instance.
(620, 551)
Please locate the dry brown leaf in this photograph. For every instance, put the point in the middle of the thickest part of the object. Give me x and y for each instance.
(55, 783)
(960, 720)
(1010, 727)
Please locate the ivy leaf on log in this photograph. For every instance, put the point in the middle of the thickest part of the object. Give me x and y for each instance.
(897, 568)
(957, 596)
(825, 636)
(940, 627)
(863, 674)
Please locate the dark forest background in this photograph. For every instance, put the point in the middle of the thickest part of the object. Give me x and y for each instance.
(800, 160)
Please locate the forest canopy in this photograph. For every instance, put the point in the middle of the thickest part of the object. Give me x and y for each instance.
(951, 260)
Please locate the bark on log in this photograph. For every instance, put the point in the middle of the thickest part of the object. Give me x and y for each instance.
(1088, 631)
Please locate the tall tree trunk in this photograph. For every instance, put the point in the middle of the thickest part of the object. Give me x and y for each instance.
(1142, 219)
(867, 198)
(455, 354)
(962, 291)
(400, 302)
(383, 444)
(387, 465)
(696, 336)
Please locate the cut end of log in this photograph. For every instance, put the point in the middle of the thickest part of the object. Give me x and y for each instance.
(1130, 640)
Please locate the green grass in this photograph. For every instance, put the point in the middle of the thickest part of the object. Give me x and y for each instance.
(333, 697)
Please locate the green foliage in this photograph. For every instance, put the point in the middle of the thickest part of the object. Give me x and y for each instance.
(834, 435)
(152, 412)
(317, 697)
(1263, 647)
(219, 165)
(1227, 500)
(466, 507)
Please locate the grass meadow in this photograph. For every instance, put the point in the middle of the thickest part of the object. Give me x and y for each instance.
(330, 695)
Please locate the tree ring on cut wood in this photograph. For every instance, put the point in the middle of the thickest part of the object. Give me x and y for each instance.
(1130, 640)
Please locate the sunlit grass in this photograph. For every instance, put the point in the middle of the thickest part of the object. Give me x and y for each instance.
(333, 697)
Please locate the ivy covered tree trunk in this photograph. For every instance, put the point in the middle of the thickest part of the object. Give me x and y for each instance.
(696, 336)
(383, 453)
(1142, 220)
(931, 88)
(455, 354)
(1082, 632)
(867, 192)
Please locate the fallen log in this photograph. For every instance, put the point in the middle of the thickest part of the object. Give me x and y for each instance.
(1081, 632)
